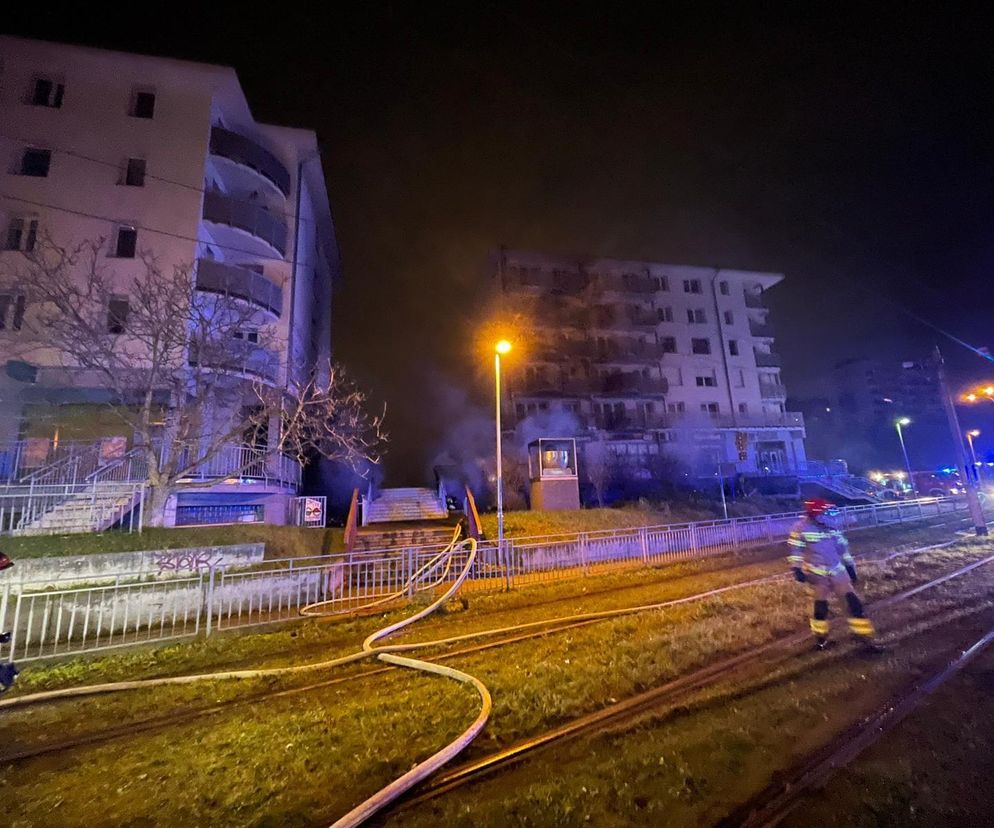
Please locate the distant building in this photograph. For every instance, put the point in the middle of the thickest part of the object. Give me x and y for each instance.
(162, 155)
(651, 359)
(868, 391)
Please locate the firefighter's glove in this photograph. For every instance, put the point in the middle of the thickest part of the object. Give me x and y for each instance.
(851, 569)
(799, 575)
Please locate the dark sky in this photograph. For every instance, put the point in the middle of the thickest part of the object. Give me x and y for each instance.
(852, 153)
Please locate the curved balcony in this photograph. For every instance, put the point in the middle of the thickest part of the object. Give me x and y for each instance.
(254, 361)
(244, 215)
(241, 283)
(245, 152)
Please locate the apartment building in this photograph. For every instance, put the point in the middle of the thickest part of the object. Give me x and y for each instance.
(650, 358)
(162, 157)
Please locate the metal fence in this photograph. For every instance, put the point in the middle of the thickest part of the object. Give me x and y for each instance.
(85, 507)
(135, 609)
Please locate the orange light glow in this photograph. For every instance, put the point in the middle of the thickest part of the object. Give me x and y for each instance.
(504, 347)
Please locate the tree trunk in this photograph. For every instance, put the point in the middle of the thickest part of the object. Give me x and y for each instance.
(155, 505)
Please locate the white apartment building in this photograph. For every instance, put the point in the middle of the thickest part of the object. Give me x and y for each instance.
(651, 358)
(164, 156)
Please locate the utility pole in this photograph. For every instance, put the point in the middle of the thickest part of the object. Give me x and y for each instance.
(972, 496)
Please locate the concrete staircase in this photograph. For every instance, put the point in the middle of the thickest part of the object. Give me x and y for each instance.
(95, 510)
(403, 537)
(411, 504)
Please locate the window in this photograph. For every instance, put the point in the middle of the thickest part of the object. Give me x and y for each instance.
(142, 104)
(696, 316)
(11, 311)
(676, 408)
(46, 92)
(134, 173)
(700, 346)
(733, 347)
(35, 162)
(743, 408)
(127, 242)
(665, 314)
(710, 408)
(22, 233)
(247, 335)
(706, 382)
(691, 285)
(723, 288)
(661, 283)
(729, 318)
(668, 344)
(117, 316)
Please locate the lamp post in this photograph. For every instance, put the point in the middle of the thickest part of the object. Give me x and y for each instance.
(973, 454)
(502, 347)
(904, 421)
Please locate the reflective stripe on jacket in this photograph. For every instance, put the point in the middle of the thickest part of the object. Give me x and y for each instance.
(818, 549)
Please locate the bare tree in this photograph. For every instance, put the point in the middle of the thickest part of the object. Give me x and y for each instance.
(193, 375)
(599, 465)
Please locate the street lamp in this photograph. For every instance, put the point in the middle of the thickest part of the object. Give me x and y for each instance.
(975, 432)
(502, 347)
(899, 423)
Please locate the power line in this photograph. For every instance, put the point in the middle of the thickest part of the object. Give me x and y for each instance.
(148, 229)
(116, 166)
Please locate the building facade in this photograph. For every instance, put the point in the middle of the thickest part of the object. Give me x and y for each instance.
(162, 157)
(651, 359)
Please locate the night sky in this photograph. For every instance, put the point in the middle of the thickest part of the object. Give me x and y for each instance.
(854, 154)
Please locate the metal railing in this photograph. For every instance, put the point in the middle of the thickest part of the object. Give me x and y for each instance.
(241, 283)
(46, 623)
(249, 154)
(64, 509)
(252, 218)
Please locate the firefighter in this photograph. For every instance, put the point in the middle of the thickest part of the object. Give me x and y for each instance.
(819, 555)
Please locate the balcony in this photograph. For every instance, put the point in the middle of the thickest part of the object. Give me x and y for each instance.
(241, 150)
(637, 283)
(772, 391)
(241, 283)
(244, 215)
(622, 384)
(755, 300)
(760, 329)
(789, 420)
(254, 361)
(768, 360)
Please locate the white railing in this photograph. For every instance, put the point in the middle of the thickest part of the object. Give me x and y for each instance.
(137, 609)
(64, 509)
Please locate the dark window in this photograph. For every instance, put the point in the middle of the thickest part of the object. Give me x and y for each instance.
(117, 316)
(723, 288)
(47, 92)
(134, 176)
(743, 408)
(36, 162)
(247, 336)
(700, 346)
(127, 242)
(696, 315)
(706, 382)
(668, 344)
(733, 347)
(710, 408)
(143, 105)
(6, 300)
(691, 285)
(729, 318)
(22, 234)
(665, 314)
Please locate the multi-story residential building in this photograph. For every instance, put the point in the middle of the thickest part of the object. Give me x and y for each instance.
(651, 358)
(163, 156)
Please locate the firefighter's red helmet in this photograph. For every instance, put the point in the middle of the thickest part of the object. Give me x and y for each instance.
(816, 506)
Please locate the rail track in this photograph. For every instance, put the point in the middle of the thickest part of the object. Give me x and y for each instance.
(630, 709)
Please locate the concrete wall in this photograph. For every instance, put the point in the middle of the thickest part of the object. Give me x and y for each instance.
(67, 571)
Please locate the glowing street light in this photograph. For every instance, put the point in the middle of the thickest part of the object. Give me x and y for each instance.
(501, 348)
(899, 423)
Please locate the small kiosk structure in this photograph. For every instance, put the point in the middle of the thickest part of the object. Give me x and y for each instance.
(552, 471)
